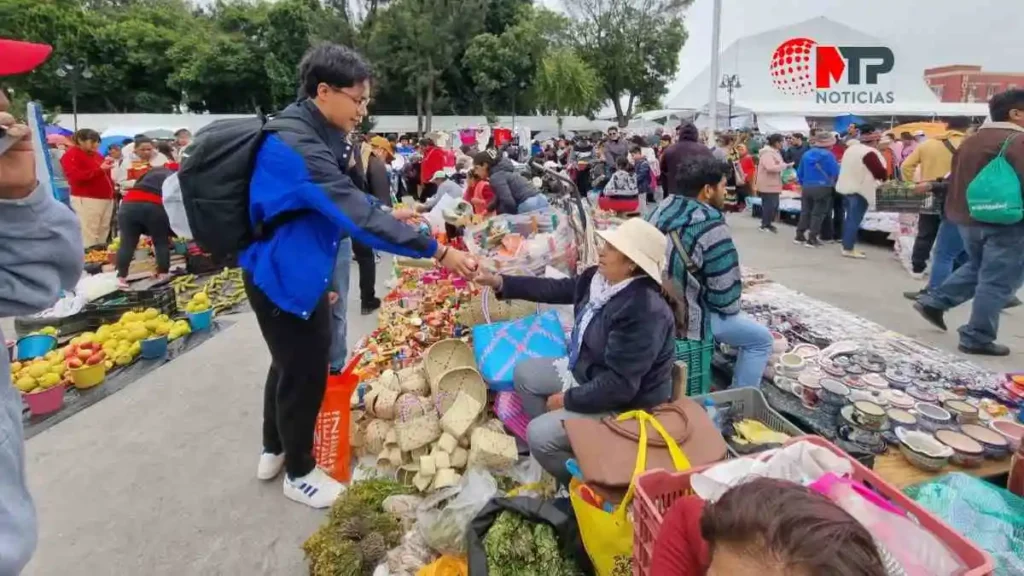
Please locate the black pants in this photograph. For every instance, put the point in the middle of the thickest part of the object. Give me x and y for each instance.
(927, 229)
(363, 255)
(135, 219)
(832, 226)
(769, 207)
(297, 378)
(815, 204)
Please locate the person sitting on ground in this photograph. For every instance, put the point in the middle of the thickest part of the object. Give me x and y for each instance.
(142, 212)
(92, 191)
(445, 187)
(620, 194)
(764, 527)
(622, 347)
(515, 194)
(706, 273)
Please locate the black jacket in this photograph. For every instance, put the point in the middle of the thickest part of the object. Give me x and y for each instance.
(627, 353)
(688, 146)
(510, 187)
(372, 180)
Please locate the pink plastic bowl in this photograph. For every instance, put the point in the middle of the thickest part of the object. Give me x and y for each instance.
(45, 402)
(1010, 430)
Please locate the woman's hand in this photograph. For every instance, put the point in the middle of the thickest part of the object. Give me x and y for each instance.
(556, 402)
(485, 278)
(457, 261)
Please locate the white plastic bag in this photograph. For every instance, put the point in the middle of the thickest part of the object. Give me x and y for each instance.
(444, 516)
(175, 207)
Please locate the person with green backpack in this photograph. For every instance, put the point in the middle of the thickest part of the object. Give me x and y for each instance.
(985, 201)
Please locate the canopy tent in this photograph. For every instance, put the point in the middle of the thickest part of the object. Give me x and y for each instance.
(783, 124)
(751, 57)
(930, 129)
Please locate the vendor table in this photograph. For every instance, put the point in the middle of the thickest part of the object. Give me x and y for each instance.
(895, 469)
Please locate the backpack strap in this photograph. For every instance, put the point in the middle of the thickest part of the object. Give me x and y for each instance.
(690, 266)
(1006, 144)
(949, 146)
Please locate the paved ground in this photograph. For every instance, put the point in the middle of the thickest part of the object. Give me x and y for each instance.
(159, 478)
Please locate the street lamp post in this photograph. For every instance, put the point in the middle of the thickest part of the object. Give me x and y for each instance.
(731, 83)
(75, 72)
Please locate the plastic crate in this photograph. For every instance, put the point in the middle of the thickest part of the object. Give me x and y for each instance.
(658, 489)
(899, 196)
(751, 403)
(110, 309)
(697, 356)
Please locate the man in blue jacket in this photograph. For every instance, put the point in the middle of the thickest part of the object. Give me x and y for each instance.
(302, 170)
(817, 173)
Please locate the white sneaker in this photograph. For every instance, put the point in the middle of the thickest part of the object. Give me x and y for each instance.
(316, 489)
(270, 465)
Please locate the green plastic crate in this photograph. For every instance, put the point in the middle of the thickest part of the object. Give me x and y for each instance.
(697, 356)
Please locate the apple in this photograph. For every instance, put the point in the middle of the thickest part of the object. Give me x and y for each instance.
(87, 346)
(74, 363)
(96, 358)
(70, 351)
(84, 354)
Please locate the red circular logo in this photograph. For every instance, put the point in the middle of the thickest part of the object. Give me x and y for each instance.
(791, 66)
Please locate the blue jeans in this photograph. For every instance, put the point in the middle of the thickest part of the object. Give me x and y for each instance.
(752, 340)
(856, 207)
(947, 255)
(339, 312)
(533, 203)
(993, 272)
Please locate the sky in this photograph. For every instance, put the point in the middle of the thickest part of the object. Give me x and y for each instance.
(929, 32)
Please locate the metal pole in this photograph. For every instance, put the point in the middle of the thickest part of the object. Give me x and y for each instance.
(74, 101)
(716, 27)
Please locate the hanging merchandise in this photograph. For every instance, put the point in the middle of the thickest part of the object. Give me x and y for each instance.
(502, 136)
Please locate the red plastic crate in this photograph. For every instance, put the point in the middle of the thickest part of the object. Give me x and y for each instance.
(658, 489)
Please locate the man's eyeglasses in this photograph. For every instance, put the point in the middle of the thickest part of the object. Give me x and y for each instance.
(362, 102)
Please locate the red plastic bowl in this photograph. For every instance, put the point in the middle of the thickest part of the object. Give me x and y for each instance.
(46, 402)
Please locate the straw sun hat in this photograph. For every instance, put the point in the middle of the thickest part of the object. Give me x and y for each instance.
(642, 243)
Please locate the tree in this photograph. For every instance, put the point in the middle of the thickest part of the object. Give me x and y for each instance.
(566, 85)
(634, 46)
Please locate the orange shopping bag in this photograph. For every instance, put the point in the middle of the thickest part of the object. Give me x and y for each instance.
(331, 447)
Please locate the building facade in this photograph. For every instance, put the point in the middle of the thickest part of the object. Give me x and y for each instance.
(965, 83)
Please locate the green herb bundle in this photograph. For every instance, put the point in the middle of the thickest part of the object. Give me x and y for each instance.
(518, 547)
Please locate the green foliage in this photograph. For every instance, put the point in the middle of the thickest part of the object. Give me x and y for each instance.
(566, 85)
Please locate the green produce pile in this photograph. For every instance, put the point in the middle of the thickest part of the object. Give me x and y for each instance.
(358, 533)
(224, 290)
(518, 547)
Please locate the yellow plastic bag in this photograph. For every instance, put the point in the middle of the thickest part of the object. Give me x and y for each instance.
(608, 536)
(446, 566)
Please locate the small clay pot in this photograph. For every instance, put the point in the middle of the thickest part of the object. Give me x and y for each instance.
(964, 412)
(833, 392)
(869, 414)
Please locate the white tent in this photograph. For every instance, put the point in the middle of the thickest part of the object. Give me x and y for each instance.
(751, 57)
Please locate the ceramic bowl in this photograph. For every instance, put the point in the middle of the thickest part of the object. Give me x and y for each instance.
(779, 343)
(931, 417)
(806, 351)
(875, 381)
(967, 452)
(792, 363)
(922, 450)
(854, 369)
(1012, 431)
(897, 379)
(852, 431)
(996, 446)
(833, 370)
(921, 394)
(833, 392)
(899, 399)
(902, 418)
(963, 412)
(869, 415)
(871, 362)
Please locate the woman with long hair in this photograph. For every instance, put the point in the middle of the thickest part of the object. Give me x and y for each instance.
(92, 191)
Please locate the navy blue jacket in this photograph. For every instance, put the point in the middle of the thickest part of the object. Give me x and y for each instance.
(304, 170)
(627, 353)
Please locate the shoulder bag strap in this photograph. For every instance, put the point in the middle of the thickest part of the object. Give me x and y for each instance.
(949, 146)
(690, 266)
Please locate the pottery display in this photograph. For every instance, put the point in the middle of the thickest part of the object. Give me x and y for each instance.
(923, 450)
(931, 417)
(808, 394)
(833, 392)
(833, 370)
(996, 446)
(1012, 431)
(921, 394)
(779, 343)
(868, 414)
(902, 418)
(874, 380)
(963, 412)
(899, 399)
(897, 379)
(967, 452)
(806, 351)
(792, 363)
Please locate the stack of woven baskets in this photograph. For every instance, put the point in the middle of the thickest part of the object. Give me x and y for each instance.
(430, 422)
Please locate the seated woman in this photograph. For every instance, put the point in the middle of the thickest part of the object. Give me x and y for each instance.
(764, 527)
(621, 193)
(707, 275)
(622, 346)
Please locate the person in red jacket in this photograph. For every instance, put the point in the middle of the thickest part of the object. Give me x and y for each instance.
(433, 160)
(764, 527)
(92, 191)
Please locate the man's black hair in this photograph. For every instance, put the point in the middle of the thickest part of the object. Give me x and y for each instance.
(697, 172)
(959, 123)
(612, 128)
(465, 148)
(635, 149)
(181, 131)
(424, 142)
(798, 135)
(774, 139)
(142, 139)
(332, 64)
(999, 106)
(113, 146)
(622, 163)
(906, 136)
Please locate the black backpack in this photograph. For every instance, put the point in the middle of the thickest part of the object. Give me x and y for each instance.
(215, 172)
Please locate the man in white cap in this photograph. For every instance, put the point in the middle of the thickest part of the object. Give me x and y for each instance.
(445, 187)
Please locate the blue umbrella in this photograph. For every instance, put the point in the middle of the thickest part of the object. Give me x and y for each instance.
(843, 122)
(108, 140)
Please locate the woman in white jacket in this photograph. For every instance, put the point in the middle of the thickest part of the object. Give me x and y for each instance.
(860, 173)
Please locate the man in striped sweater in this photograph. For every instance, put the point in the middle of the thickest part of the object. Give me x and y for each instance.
(704, 266)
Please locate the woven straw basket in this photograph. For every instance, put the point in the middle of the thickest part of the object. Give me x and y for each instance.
(373, 437)
(414, 380)
(462, 379)
(485, 308)
(416, 422)
(444, 356)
